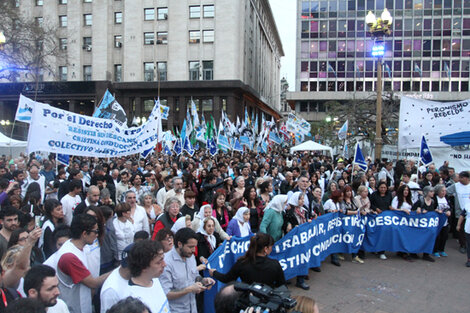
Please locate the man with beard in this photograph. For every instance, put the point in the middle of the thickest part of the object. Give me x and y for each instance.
(41, 283)
(9, 220)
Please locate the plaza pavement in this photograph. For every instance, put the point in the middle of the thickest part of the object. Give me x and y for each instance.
(393, 285)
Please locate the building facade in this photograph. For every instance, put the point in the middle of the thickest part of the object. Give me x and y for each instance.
(427, 55)
(224, 54)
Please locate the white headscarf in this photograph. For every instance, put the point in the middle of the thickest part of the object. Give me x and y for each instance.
(201, 211)
(239, 215)
(277, 203)
(210, 238)
(294, 199)
(180, 223)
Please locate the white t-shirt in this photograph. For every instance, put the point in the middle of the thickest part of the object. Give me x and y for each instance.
(405, 206)
(114, 288)
(59, 307)
(330, 205)
(69, 204)
(93, 255)
(140, 219)
(124, 235)
(153, 297)
(443, 205)
(463, 192)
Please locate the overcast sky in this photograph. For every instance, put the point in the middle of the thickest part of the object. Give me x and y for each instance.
(284, 14)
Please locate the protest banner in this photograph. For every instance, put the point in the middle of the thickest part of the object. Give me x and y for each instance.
(307, 245)
(59, 131)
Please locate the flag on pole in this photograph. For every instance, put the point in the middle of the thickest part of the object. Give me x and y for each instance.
(237, 146)
(247, 118)
(196, 122)
(63, 158)
(447, 69)
(343, 132)
(417, 69)
(359, 158)
(425, 153)
(211, 146)
(389, 71)
(331, 69)
(188, 147)
(166, 149)
(109, 108)
(183, 131)
(178, 148)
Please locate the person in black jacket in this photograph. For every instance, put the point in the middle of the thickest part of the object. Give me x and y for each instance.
(102, 178)
(255, 265)
(208, 240)
(64, 186)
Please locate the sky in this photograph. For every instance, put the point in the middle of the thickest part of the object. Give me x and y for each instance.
(284, 13)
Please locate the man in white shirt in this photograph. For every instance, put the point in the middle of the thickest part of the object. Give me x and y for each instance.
(41, 283)
(116, 286)
(34, 177)
(162, 192)
(146, 263)
(122, 187)
(177, 191)
(71, 200)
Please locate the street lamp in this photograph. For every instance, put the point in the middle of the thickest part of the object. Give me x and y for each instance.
(379, 28)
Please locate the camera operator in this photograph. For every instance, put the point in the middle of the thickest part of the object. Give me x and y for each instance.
(255, 265)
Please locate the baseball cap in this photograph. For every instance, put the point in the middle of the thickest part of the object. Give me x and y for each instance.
(125, 255)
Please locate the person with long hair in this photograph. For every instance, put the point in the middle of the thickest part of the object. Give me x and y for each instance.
(381, 200)
(54, 215)
(265, 192)
(402, 201)
(305, 305)
(332, 186)
(252, 202)
(152, 209)
(424, 205)
(32, 200)
(219, 210)
(19, 237)
(123, 228)
(349, 207)
(208, 240)
(255, 265)
(333, 205)
(372, 184)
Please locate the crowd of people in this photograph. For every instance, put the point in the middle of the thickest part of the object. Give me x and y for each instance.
(99, 235)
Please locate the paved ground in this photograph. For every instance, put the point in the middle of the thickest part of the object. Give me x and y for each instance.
(393, 285)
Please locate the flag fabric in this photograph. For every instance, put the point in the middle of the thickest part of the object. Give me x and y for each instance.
(189, 123)
(196, 122)
(211, 146)
(223, 143)
(165, 110)
(247, 118)
(109, 108)
(417, 69)
(188, 147)
(389, 71)
(425, 153)
(359, 158)
(447, 69)
(331, 69)
(166, 149)
(183, 131)
(238, 125)
(237, 146)
(255, 126)
(274, 138)
(178, 148)
(358, 71)
(245, 141)
(63, 158)
(25, 109)
(343, 132)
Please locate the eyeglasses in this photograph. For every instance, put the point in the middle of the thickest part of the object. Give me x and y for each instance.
(96, 231)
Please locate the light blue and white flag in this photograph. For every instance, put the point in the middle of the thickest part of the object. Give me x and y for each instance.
(166, 149)
(343, 132)
(417, 69)
(188, 147)
(196, 122)
(425, 153)
(274, 138)
(331, 69)
(389, 71)
(359, 158)
(237, 146)
(211, 146)
(223, 142)
(63, 158)
(178, 148)
(447, 69)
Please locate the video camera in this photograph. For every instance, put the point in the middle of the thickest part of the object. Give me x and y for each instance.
(259, 295)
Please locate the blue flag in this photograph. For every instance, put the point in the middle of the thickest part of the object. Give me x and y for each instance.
(274, 138)
(389, 71)
(425, 153)
(418, 70)
(359, 158)
(177, 148)
(237, 146)
(447, 69)
(109, 108)
(183, 131)
(188, 147)
(245, 141)
(63, 158)
(343, 132)
(166, 149)
(212, 146)
(223, 142)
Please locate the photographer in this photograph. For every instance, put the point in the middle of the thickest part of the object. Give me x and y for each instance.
(255, 265)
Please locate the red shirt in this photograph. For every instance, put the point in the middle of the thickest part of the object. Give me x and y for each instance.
(71, 265)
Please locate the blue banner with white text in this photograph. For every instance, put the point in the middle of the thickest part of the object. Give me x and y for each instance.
(307, 245)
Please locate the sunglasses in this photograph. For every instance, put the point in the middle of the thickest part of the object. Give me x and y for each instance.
(96, 231)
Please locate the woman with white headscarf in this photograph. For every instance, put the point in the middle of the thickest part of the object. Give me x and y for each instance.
(296, 215)
(206, 211)
(240, 224)
(273, 220)
(208, 240)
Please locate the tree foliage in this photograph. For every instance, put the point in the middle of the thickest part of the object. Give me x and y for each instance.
(31, 46)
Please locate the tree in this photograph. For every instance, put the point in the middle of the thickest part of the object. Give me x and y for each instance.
(361, 114)
(31, 46)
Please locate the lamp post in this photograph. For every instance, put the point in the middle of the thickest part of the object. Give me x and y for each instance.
(379, 28)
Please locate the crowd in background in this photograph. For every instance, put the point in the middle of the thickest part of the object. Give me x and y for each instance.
(99, 230)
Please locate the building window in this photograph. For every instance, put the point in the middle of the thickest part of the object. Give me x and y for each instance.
(148, 105)
(194, 70)
(162, 13)
(194, 36)
(63, 43)
(208, 10)
(207, 105)
(161, 68)
(118, 41)
(118, 17)
(194, 11)
(62, 1)
(149, 69)
(208, 35)
(117, 72)
(63, 73)
(149, 14)
(39, 2)
(207, 70)
(149, 38)
(87, 19)
(39, 20)
(87, 43)
(63, 20)
(162, 38)
(87, 73)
